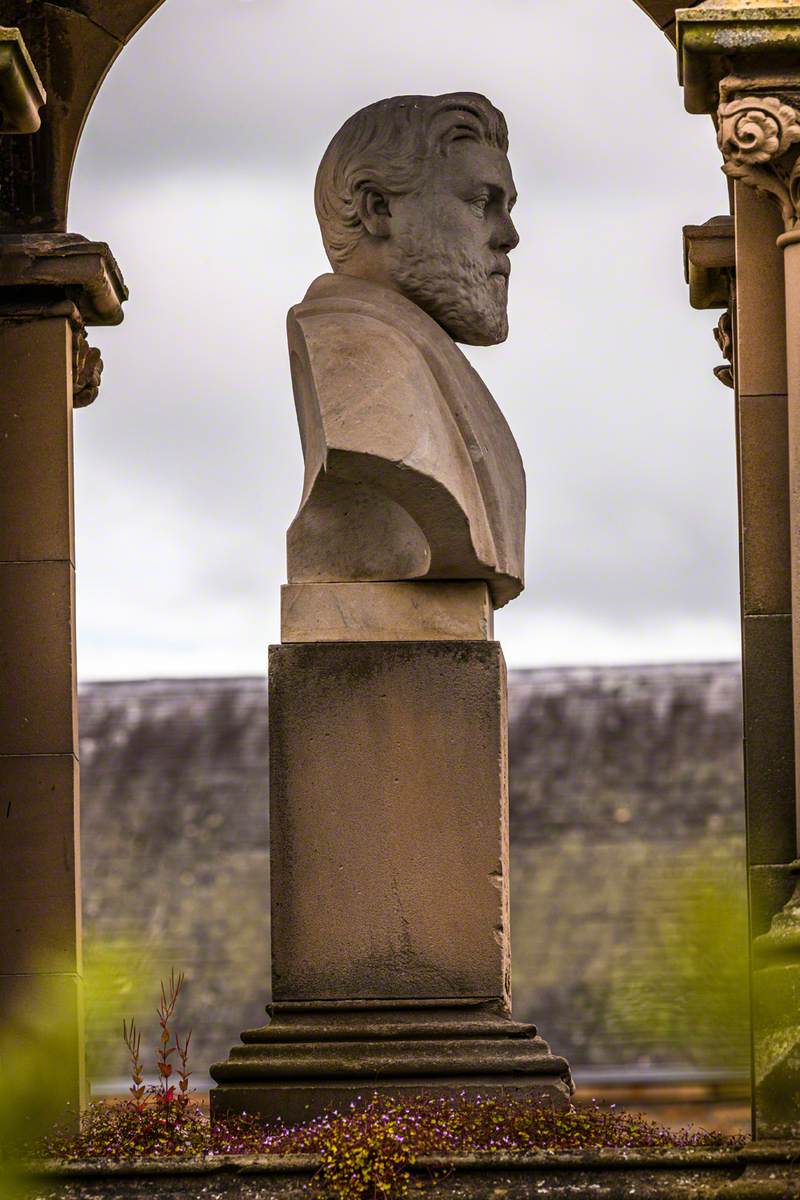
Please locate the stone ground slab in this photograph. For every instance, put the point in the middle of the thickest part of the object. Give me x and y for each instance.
(762, 1172)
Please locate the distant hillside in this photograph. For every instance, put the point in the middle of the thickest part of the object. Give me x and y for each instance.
(622, 780)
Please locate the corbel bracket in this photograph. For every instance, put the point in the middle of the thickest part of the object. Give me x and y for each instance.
(709, 264)
(21, 90)
(709, 259)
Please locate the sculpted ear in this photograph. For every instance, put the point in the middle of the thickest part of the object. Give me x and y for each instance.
(374, 211)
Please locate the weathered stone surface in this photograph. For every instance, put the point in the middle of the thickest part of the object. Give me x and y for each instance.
(39, 834)
(769, 739)
(389, 880)
(62, 265)
(388, 804)
(764, 501)
(760, 295)
(764, 1172)
(37, 661)
(386, 612)
(36, 520)
(313, 1057)
(41, 921)
(714, 35)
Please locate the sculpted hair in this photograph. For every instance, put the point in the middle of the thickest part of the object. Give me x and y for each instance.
(386, 147)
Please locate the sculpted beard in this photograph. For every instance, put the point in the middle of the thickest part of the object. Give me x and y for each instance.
(458, 291)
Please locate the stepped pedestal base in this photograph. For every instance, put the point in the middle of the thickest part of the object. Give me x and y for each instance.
(316, 1057)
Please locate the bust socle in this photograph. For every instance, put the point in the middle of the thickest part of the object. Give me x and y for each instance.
(411, 472)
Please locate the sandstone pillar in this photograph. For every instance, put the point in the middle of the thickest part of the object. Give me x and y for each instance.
(389, 844)
(50, 286)
(739, 61)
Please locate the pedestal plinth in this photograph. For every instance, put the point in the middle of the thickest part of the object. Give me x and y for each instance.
(389, 843)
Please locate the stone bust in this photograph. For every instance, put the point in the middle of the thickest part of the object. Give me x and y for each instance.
(411, 472)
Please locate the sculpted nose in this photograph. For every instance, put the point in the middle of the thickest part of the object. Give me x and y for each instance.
(507, 236)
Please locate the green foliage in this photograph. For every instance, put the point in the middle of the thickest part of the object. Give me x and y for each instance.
(686, 995)
(37, 1068)
(38, 1061)
(116, 972)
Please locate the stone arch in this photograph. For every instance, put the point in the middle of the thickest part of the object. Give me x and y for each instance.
(663, 13)
(72, 43)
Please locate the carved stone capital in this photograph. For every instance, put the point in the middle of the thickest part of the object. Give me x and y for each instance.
(759, 137)
(63, 275)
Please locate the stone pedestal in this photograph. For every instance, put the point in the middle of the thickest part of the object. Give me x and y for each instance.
(389, 839)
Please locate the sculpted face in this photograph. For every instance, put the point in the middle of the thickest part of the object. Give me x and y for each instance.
(448, 243)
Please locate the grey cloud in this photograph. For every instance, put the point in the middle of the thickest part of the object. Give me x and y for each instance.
(216, 82)
(197, 167)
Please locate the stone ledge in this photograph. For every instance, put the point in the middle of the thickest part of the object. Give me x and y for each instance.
(708, 39)
(85, 272)
(422, 611)
(766, 1171)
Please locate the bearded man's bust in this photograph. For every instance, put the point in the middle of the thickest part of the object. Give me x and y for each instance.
(411, 472)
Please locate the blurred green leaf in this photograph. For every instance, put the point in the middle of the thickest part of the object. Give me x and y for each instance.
(686, 992)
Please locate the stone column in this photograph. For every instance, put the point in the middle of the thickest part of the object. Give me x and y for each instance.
(739, 61)
(389, 843)
(50, 287)
(52, 284)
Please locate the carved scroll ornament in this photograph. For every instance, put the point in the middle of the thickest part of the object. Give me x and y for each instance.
(758, 136)
(724, 337)
(87, 368)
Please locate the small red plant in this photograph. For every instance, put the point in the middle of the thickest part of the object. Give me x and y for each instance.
(164, 1051)
(133, 1040)
(170, 1103)
(183, 1071)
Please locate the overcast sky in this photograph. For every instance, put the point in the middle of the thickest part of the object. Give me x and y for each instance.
(197, 166)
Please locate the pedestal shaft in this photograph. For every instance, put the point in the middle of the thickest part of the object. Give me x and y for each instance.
(389, 831)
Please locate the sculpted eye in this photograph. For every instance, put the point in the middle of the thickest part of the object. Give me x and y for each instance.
(479, 204)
